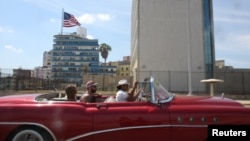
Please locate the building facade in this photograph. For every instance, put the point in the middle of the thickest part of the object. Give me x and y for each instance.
(74, 56)
(47, 55)
(22, 79)
(171, 40)
(123, 67)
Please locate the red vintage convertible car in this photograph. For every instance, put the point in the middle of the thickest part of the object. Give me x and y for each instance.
(158, 115)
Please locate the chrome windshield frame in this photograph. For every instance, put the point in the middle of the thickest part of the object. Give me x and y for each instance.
(153, 93)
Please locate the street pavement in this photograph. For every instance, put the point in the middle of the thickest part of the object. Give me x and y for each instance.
(244, 102)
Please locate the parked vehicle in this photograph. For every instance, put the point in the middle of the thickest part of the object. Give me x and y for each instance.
(157, 115)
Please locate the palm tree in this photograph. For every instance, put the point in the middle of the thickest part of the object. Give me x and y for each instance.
(104, 50)
(85, 69)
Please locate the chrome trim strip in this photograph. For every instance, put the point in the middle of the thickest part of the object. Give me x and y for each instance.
(132, 127)
(30, 123)
(100, 131)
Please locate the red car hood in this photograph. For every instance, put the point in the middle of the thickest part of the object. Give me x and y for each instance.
(26, 98)
(204, 100)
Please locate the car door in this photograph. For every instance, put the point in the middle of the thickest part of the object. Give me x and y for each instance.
(130, 121)
(188, 123)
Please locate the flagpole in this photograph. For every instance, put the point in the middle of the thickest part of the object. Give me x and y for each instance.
(62, 21)
(61, 38)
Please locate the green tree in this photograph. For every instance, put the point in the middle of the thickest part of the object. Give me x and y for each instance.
(104, 50)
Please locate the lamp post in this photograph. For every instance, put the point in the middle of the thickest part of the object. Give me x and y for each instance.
(103, 78)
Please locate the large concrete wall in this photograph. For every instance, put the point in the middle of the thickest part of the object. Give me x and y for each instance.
(167, 35)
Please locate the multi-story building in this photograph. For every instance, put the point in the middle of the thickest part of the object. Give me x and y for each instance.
(173, 40)
(22, 79)
(110, 80)
(123, 68)
(6, 81)
(74, 55)
(42, 72)
(47, 58)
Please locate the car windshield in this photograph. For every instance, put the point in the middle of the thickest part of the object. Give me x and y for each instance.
(155, 92)
(160, 92)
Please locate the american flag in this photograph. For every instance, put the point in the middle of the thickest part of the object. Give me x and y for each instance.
(70, 20)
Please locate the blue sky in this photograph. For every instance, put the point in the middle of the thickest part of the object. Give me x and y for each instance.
(27, 28)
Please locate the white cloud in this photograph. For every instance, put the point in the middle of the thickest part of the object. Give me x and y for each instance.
(235, 43)
(6, 30)
(11, 48)
(231, 15)
(243, 40)
(10, 30)
(86, 19)
(104, 17)
(53, 20)
(241, 13)
(92, 18)
(90, 37)
(232, 20)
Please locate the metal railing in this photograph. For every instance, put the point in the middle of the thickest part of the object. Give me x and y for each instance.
(233, 82)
